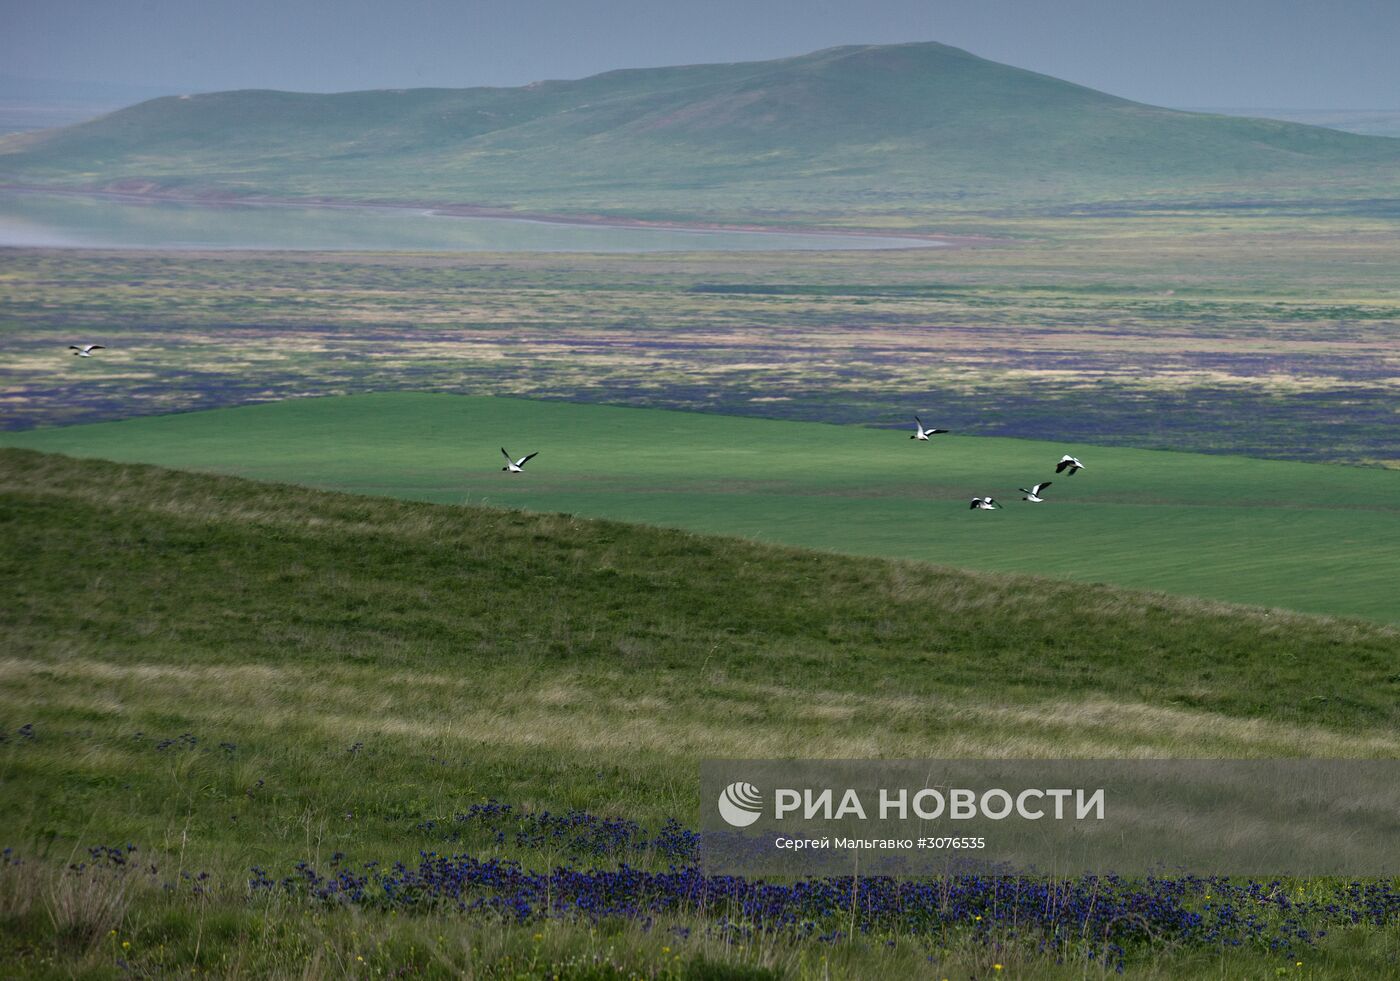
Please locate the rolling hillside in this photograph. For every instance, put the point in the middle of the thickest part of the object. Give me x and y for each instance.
(203, 674)
(862, 127)
(1322, 539)
(125, 565)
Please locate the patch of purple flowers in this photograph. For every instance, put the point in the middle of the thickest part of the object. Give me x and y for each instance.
(1100, 917)
(574, 832)
(185, 740)
(122, 860)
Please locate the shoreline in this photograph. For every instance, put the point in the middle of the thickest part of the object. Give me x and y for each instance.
(143, 193)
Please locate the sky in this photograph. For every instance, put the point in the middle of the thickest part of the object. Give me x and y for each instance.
(1303, 54)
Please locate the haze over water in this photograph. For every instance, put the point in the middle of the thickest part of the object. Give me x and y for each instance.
(77, 221)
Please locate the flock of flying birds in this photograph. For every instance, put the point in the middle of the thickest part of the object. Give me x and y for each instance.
(1067, 463)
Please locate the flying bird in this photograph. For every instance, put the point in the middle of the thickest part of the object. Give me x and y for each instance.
(983, 504)
(1033, 493)
(86, 350)
(921, 433)
(516, 466)
(1070, 463)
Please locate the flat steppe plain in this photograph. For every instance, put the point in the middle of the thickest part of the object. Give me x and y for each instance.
(1267, 332)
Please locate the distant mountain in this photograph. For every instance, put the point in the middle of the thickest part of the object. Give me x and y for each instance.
(866, 128)
(1369, 122)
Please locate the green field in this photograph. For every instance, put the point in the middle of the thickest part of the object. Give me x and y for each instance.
(1313, 538)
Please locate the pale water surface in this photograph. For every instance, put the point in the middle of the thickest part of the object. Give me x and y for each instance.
(79, 221)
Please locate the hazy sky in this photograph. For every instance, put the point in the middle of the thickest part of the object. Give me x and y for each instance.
(1309, 54)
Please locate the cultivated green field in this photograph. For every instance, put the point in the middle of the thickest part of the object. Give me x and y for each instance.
(227, 674)
(1313, 538)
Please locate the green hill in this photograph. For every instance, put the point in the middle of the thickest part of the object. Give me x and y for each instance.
(227, 674)
(128, 565)
(1322, 539)
(862, 127)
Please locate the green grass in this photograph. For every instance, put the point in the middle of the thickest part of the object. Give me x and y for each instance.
(1313, 538)
(553, 662)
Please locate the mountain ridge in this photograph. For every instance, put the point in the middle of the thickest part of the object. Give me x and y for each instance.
(853, 127)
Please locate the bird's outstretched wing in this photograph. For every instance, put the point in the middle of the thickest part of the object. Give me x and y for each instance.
(1060, 467)
(526, 459)
(1040, 487)
(505, 454)
(96, 347)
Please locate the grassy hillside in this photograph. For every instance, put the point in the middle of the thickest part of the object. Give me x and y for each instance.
(1313, 538)
(862, 127)
(225, 673)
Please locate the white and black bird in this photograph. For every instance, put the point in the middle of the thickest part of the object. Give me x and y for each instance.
(85, 351)
(516, 466)
(983, 504)
(921, 433)
(1070, 463)
(1033, 493)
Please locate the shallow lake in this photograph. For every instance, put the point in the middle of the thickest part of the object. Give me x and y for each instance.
(110, 222)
